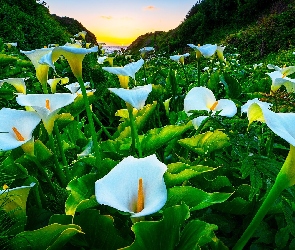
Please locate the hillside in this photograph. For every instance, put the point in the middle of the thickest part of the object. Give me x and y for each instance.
(255, 28)
(30, 24)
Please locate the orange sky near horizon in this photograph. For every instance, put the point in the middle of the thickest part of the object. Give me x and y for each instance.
(118, 23)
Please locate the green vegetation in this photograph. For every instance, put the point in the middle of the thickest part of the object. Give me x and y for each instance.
(256, 28)
(30, 24)
(148, 165)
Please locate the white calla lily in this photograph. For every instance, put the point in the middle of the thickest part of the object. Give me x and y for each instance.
(279, 78)
(202, 98)
(16, 127)
(281, 124)
(136, 96)
(179, 58)
(207, 50)
(41, 70)
(46, 105)
(142, 191)
(18, 83)
(74, 55)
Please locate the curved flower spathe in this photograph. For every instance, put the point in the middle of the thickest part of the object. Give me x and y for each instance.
(281, 124)
(136, 96)
(46, 105)
(144, 186)
(41, 70)
(16, 127)
(18, 83)
(53, 82)
(279, 78)
(207, 50)
(201, 98)
(128, 70)
(179, 58)
(74, 55)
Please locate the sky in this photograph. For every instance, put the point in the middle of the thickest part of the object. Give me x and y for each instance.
(119, 23)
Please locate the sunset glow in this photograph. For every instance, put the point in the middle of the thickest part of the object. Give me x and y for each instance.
(121, 22)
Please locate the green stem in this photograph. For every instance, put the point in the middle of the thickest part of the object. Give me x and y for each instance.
(134, 135)
(144, 72)
(285, 179)
(185, 74)
(62, 153)
(199, 72)
(42, 170)
(91, 123)
(57, 169)
(103, 127)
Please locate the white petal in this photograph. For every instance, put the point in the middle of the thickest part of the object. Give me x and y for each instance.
(198, 121)
(56, 101)
(208, 50)
(228, 107)
(24, 121)
(199, 98)
(136, 96)
(119, 187)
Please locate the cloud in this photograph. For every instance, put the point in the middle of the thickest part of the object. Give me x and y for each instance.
(106, 17)
(150, 7)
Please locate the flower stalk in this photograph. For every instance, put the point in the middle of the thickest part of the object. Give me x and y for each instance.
(90, 120)
(285, 179)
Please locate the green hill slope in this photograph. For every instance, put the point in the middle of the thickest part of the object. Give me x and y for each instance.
(256, 28)
(30, 24)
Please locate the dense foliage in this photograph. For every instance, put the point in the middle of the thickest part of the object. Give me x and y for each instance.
(256, 28)
(30, 24)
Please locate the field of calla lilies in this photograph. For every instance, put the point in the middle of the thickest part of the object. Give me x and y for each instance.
(145, 151)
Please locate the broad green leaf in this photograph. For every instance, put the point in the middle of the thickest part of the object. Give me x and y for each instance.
(236, 206)
(52, 237)
(179, 172)
(12, 171)
(81, 189)
(195, 198)
(213, 185)
(61, 219)
(41, 151)
(233, 88)
(99, 230)
(7, 94)
(156, 138)
(196, 234)
(13, 202)
(214, 81)
(206, 143)
(141, 118)
(163, 234)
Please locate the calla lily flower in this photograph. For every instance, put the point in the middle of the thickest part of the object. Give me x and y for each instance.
(279, 78)
(55, 81)
(281, 124)
(101, 59)
(143, 191)
(145, 50)
(128, 70)
(41, 70)
(75, 88)
(16, 128)
(219, 52)
(7, 190)
(179, 58)
(46, 105)
(206, 50)
(18, 83)
(82, 34)
(201, 98)
(135, 97)
(9, 45)
(74, 56)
